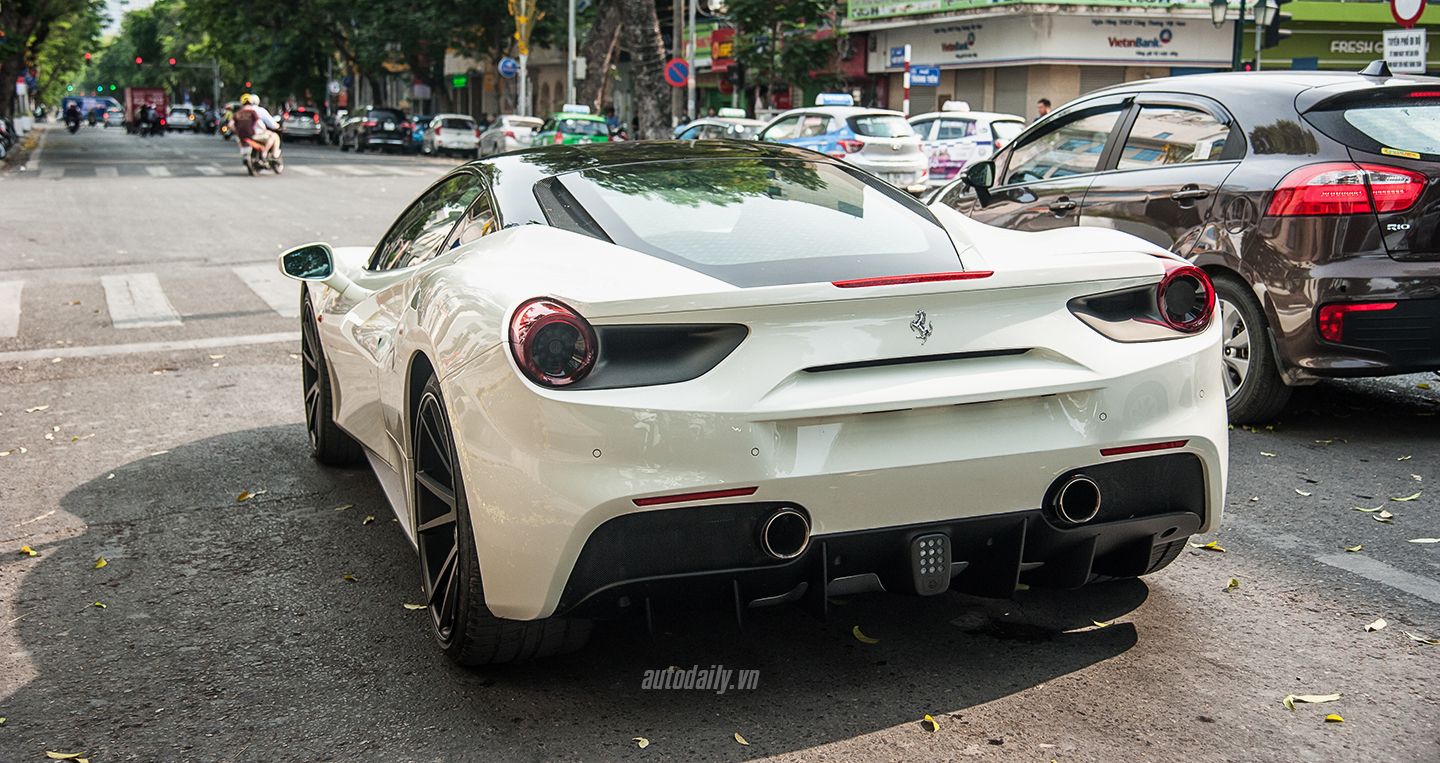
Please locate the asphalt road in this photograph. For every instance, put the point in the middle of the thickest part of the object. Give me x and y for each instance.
(230, 631)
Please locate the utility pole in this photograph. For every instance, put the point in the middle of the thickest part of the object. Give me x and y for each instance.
(570, 60)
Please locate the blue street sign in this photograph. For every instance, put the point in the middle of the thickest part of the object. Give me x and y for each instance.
(509, 67)
(924, 76)
(677, 72)
(897, 56)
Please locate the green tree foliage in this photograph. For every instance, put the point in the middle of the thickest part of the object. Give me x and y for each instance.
(787, 41)
(29, 28)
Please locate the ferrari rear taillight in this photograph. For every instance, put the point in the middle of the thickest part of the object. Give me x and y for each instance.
(851, 146)
(1341, 188)
(1186, 299)
(1332, 317)
(552, 344)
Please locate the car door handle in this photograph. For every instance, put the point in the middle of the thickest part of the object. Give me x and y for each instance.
(1062, 206)
(1191, 194)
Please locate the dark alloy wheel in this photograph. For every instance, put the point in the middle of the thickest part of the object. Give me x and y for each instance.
(329, 443)
(450, 570)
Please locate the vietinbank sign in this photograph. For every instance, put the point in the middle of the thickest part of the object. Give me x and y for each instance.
(1118, 39)
(1153, 43)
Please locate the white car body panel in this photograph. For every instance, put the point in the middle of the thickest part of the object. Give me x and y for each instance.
(543, 467)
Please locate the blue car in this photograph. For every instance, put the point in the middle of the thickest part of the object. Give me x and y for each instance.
(876, 140)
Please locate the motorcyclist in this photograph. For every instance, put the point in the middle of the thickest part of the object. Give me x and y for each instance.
(72, 113)
(251, 121)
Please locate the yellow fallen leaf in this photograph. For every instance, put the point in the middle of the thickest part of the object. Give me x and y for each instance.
(1386, 520)
(159, 452)
(1423, 540)
(1021, 587)
(1403, 458)
(640, 742)
(741, 739)
(352, 578)
(110, 476)
(26, 550)
(1333, 718)
(1377, 508)
(1232, 585)
(1211, 546)
(1422, 385)
(930, 725)
(1385, 515)
(37, 408)
(414, 606)
(1302, 492)
(62, 755)
(346, 506)
(98, 604)
(1267, 455)
(1288, 702)
(1315, 699)
(1099, 624)
(1417, 478)
(245, 495)
(100, 562)
(863, 637)
(1353, 549)
(1407, 498)
(1423, 640)
(367, 520)
(1375, 626)
(216, 357)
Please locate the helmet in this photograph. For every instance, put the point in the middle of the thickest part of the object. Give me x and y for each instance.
(249, 100)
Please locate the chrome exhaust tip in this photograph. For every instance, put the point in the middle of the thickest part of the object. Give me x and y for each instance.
(1077, 501)
(785, 534)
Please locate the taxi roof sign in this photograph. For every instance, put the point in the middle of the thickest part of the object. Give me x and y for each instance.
(731, 113)
(575, 108)
(956, 106)
(834, 99)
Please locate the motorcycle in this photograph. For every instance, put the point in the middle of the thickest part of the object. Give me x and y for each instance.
(256, 161)
(72, 124)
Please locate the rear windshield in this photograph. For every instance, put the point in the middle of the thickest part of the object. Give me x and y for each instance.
(1006, 131)
(526, 123)
(581, 127)
(1400, 124)
(881, 126)
(459, 124)
(757, 222)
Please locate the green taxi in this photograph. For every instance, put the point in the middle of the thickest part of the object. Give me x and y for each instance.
(573, 124)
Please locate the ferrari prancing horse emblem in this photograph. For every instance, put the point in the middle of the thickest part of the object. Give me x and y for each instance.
(921, 327)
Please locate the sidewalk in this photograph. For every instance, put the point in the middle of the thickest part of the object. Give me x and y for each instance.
(25, 155)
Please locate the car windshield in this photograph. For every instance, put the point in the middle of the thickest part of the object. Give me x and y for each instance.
(571, 126)
(742, 132)
(754, 222)
(881, 126)
(385, 114)
(1006, 131)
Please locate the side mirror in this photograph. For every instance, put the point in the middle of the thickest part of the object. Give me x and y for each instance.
(980, 176)
(311, 262)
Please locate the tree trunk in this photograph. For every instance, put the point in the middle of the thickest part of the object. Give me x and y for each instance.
(602, 47)
(647, 62)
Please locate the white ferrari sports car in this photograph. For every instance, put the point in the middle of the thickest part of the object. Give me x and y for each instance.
(624, 379)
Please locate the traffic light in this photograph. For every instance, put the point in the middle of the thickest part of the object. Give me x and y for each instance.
(87, 56)
(99, 88)
(247, 85)
(69, 88)
(139, 61)
(172, 62)
(1273, 31)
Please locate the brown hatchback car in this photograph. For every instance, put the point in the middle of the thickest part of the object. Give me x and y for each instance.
(1311, 199)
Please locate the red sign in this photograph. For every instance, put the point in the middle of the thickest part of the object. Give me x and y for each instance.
(726, 86)
(1407, 12)
(722, 50)
(677, 72)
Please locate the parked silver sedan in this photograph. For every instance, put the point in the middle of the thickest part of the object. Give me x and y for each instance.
(302, 122)
(507, 133)
(876, 140)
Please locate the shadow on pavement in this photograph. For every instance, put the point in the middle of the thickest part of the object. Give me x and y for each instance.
(230, 633)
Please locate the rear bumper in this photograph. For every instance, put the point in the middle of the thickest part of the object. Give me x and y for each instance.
(709, 556)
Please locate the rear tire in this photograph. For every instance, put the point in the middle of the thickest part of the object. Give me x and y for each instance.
(329, 444)
(464, 628)
(1254, 391)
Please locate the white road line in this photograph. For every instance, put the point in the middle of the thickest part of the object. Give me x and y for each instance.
(158, 171)
(304, 170)
(141, 347)
(414, 173)
(351, 169)
(107, 172)
(10, 307)
(136, 301)
(1381, 572)
(279, 292)
(51, 173)
(208, 169)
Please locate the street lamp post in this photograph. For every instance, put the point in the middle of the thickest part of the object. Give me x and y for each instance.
(1264, 14)
(1239, 45)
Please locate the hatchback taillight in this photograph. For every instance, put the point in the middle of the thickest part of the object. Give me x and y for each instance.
(1341, 188)
(851, 146)
(552, 344)
(437, 132)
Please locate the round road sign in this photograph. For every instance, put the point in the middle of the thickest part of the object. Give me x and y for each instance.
(1407, 12)
(509, 67)
(677, 72)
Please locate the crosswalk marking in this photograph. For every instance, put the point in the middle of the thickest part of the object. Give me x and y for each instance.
(279, 292)
(208, 169)
(303, 170)
(158, 171)
(135, 300)
(107, 172)
(47, 173)
(353, 170)
(10, 307)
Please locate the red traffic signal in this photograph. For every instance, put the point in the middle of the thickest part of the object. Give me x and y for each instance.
(172, 62)
(247, 85)
(139, 61)
(87, 56)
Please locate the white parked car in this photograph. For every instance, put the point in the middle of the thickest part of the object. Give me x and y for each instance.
(598, 379)
(508, 133)
(956, 136)
(451, 134)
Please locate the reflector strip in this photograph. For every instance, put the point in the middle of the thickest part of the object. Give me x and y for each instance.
(705, 496)
(968, 275)
(1143, 448)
